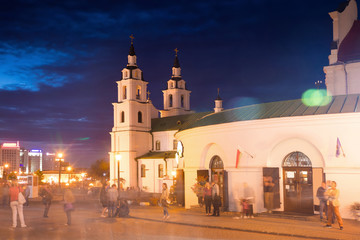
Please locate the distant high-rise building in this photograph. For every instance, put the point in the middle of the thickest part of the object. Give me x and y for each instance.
(35, 160)
(49, 161)
(24, 159)
(10, 154)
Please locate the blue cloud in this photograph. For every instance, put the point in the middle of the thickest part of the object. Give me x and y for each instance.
(24, 68)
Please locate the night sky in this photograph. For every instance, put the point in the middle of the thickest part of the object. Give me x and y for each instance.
(60, 60)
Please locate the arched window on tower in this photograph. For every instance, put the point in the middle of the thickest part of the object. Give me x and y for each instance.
(138, 92)
(182, 101)
(135, 74)
(170, 100)
(122, 116)
(124, 92)
(140, 117)
(157, 145)
(125, 74)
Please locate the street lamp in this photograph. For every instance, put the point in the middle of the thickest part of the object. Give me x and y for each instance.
(118, 158)
(59, 159)
(6, 166)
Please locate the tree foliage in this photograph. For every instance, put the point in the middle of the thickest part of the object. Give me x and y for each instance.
(99, 170)
(40, 176)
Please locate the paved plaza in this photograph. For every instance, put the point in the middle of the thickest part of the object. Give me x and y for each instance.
(145, 222)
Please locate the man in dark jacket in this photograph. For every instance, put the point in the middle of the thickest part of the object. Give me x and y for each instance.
(47, 196)
(320, 194)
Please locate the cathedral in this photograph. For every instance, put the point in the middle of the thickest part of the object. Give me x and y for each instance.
(296, 143)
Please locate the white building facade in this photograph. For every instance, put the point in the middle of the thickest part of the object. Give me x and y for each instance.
(295, 144)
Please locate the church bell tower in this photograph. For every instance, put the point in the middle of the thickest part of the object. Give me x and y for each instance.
(130, 136)
(176, 96)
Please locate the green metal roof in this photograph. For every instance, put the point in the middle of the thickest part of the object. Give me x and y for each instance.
(290, 108)
(158, 155)
(175, 122)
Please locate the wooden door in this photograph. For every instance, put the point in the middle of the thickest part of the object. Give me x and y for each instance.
(298, 189)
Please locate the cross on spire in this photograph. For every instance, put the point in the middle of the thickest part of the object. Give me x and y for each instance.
(148, 95)
(176, 51)
(132, 38)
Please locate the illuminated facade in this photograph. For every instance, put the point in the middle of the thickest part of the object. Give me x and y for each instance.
(10, 154)
(294, 144)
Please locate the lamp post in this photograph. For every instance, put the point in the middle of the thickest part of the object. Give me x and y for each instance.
(118, 158)
(6, 166)
(59, 159)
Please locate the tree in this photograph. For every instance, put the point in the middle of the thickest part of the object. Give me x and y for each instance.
(40, 176)
(99, 170)
(12, 176)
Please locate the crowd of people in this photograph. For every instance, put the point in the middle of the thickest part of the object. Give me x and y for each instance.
(17, 196)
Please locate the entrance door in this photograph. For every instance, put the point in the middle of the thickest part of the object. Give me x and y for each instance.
(217, 174)
(298, 184)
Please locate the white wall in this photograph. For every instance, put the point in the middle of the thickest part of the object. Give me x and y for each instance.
(268, 141)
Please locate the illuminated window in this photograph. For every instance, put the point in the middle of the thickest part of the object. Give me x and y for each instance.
(161, 170)
(143, 170)
(122, 116)
(297, 159)
(170, 100)
(125, 74)
(157, 145)
(135, 74)
(139, 117)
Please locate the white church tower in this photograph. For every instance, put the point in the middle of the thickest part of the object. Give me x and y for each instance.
(176, 96)
(344, 60)
(130, 136)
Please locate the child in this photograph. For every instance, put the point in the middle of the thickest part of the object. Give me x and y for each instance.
(245, 207)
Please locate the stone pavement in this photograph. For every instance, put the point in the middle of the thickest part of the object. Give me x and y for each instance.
(88, 212)
(308, 227)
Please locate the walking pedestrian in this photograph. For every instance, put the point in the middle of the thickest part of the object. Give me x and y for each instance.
(104, 199)
(216, 199)
(164, 198)
(47, 196)
(320, 194)
(333, 205)
(249, 195)
(207, 198)
(16, 206)
(332, 217)
(69, 200)
(112, 195)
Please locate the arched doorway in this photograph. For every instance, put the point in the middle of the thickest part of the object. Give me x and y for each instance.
(217, 174)
(298, 183)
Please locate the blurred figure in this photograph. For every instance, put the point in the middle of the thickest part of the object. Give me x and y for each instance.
(164, 198)
(5, 196)
(249, 195)
(27, 195)
(112, 200)
(16, 207)
(320, 194)
(216, 199)
(207, 198)
(333, 205)
(104, 199)
(269, 193)
(69, 199)
(47, 196)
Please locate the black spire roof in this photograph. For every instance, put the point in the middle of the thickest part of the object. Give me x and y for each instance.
(176, 62)
(132, 50)
(218, 95)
